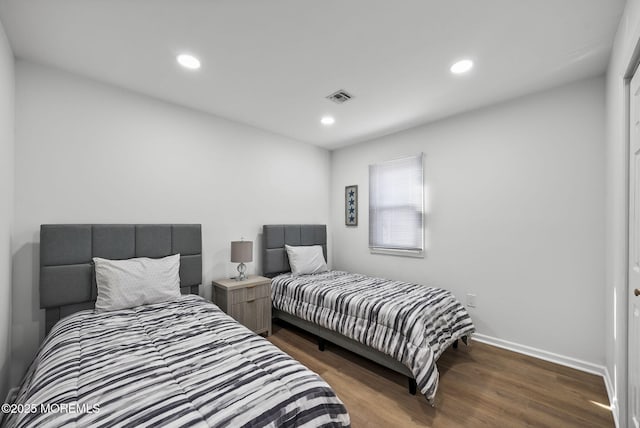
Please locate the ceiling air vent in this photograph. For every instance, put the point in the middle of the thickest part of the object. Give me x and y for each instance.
(340, 96)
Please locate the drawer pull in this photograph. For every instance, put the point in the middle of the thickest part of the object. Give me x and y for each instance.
(251, 301)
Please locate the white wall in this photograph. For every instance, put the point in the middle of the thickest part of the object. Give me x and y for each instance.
(515, 196)
(91, 153)
(7, 89)
(617, 295)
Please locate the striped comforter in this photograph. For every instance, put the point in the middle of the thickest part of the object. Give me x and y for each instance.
(183, 363)
(412, 323)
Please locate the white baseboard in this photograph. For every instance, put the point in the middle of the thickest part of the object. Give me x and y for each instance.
(613, 401)
(563, 360)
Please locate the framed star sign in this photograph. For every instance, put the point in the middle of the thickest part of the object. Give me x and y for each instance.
(351, 205)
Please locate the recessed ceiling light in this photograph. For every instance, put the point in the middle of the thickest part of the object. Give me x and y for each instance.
(327, 120)
(188, 61)
(462, 66)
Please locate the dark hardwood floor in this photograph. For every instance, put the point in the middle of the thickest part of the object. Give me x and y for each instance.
(480, 386)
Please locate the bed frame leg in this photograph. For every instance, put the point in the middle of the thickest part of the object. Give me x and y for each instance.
(412, 386)
(455, 344)
(321, 344)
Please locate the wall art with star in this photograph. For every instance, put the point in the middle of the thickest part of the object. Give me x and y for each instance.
(351, 205)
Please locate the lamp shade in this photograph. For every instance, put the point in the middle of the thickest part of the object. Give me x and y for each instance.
(241, 251)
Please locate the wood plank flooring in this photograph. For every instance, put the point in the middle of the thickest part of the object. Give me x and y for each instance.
(480, 386)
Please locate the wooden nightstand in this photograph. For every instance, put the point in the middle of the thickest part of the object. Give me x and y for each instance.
(248, 301)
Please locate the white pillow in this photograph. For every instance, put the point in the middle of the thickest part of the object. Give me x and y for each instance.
(134, 282)
(306, 259)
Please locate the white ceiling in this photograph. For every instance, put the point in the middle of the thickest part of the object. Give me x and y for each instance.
(271, 63)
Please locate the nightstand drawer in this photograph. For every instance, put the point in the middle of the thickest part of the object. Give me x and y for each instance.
(248, 294)
(254, 314)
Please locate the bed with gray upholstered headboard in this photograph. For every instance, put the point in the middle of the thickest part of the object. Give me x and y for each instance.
(324, 303)
(155, 351)
(67, 278)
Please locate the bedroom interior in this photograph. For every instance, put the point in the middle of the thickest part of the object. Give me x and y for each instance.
(269, 133)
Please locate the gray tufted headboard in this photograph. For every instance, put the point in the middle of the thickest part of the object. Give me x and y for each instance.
(67, 279)
(274, 238)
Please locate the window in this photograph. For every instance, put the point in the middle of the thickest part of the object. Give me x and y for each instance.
(396, 206)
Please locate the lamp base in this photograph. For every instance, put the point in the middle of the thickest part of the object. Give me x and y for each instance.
(242, 272)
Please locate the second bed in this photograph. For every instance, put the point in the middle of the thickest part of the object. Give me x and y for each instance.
(403, 326)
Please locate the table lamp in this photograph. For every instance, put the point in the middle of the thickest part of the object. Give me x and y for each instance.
(241, 252)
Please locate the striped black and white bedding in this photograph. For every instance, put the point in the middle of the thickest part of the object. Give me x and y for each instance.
(412, 323)
(177, 364)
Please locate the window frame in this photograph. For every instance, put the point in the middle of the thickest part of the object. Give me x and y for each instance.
(389, 250)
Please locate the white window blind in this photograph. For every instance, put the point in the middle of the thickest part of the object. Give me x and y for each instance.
(396, 205)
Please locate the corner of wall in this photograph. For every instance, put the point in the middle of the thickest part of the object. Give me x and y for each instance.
(7, 164)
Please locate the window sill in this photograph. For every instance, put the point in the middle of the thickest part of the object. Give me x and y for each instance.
(398, 253)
